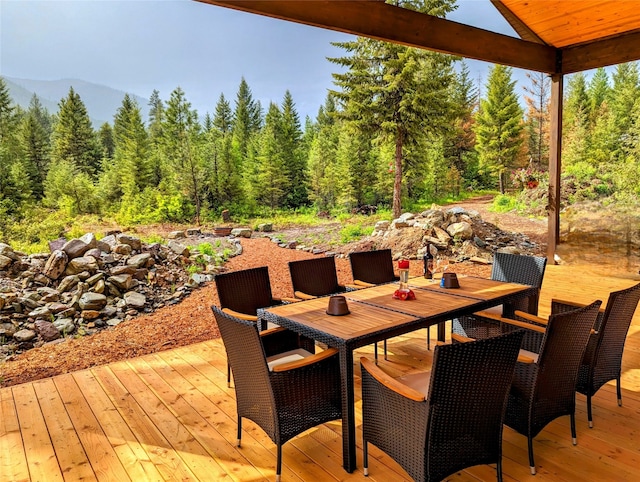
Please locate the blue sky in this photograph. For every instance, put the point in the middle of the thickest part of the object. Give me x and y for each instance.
(141, 45)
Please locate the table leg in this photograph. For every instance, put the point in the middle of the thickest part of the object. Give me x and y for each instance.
(442, 332)
(348, 410)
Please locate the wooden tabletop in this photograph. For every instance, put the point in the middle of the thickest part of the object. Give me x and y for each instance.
(374, 309)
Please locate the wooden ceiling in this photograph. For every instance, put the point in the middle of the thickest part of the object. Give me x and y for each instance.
(556, 36)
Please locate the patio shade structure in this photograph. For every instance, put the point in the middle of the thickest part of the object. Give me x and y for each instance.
(557, 37)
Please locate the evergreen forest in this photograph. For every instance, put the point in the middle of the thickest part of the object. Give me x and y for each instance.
(402, 127)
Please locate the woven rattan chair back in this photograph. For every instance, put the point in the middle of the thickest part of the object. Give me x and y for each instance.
(527, 270)
(315, 276)
(545, 390)
(460, 423)
(374, 267)
(254, 395)
(283, 403)
(602, 360)
(245, 291)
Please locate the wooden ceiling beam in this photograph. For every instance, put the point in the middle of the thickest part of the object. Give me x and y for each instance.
(518, 25)
(378, 20)
(611, 51)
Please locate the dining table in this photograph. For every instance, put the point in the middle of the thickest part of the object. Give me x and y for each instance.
(374, 314)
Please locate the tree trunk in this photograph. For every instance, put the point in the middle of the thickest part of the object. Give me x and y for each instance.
(397, 181)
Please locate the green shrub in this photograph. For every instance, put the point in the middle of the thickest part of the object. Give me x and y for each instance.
(503, 203)
(206, 248)
(354, 232)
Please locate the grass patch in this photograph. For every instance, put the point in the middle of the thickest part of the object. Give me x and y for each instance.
(354, 232)
(503, 203)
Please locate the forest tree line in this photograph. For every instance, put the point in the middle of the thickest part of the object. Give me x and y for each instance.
(401, 126)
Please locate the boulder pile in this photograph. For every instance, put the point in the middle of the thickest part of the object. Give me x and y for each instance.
(85, 284)
(457, 233)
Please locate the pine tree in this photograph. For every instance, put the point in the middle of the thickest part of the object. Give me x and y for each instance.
(396, 90)
(597, 93)
(459, 140)
(295, 163)
(273, 177)
(107, 142)
(622, 97)
(323, 156)
(74, 139)
(575, 122)
(34, 135)
(246, 120)
(224, 180)
(11, 192)
(499, 125)
(182, 150)
(156, 119)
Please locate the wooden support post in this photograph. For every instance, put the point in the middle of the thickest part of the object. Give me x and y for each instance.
(555, 165)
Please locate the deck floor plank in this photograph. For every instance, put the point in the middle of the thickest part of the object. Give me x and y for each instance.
(40, 452)
(13, 462)
(194, 455)
(170, 416)
(72, 456)
(96, 444)
(158, 449)
(131, 453)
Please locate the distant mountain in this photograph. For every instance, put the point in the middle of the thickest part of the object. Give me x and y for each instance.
(101, 101)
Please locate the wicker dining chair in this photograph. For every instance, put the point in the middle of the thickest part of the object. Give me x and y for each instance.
(438, 423)
(602, 360)
(242, 293)
(544, 383)
(512, 268)
(315, 277)
(285, 395)
(370, 268)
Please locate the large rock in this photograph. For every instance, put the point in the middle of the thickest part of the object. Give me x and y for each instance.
(90, 239)
(122, 248)
(41, 312)
(132, 241)
(178, 248)
(46, 330)
(135, 300)
(462, 230)
(75, 248)
(122, 281)
(6, 250)
(67, 283)
(83, 263)
(5, 262)
(64, 326)
(139, 260)
(24, 335)
(109, 240)
(92, 301)
(241, 232)
(56, 264)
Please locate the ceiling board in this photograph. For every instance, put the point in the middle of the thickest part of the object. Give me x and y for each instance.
(563, 23)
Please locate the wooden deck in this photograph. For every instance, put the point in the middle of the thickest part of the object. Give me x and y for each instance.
(169, 416)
